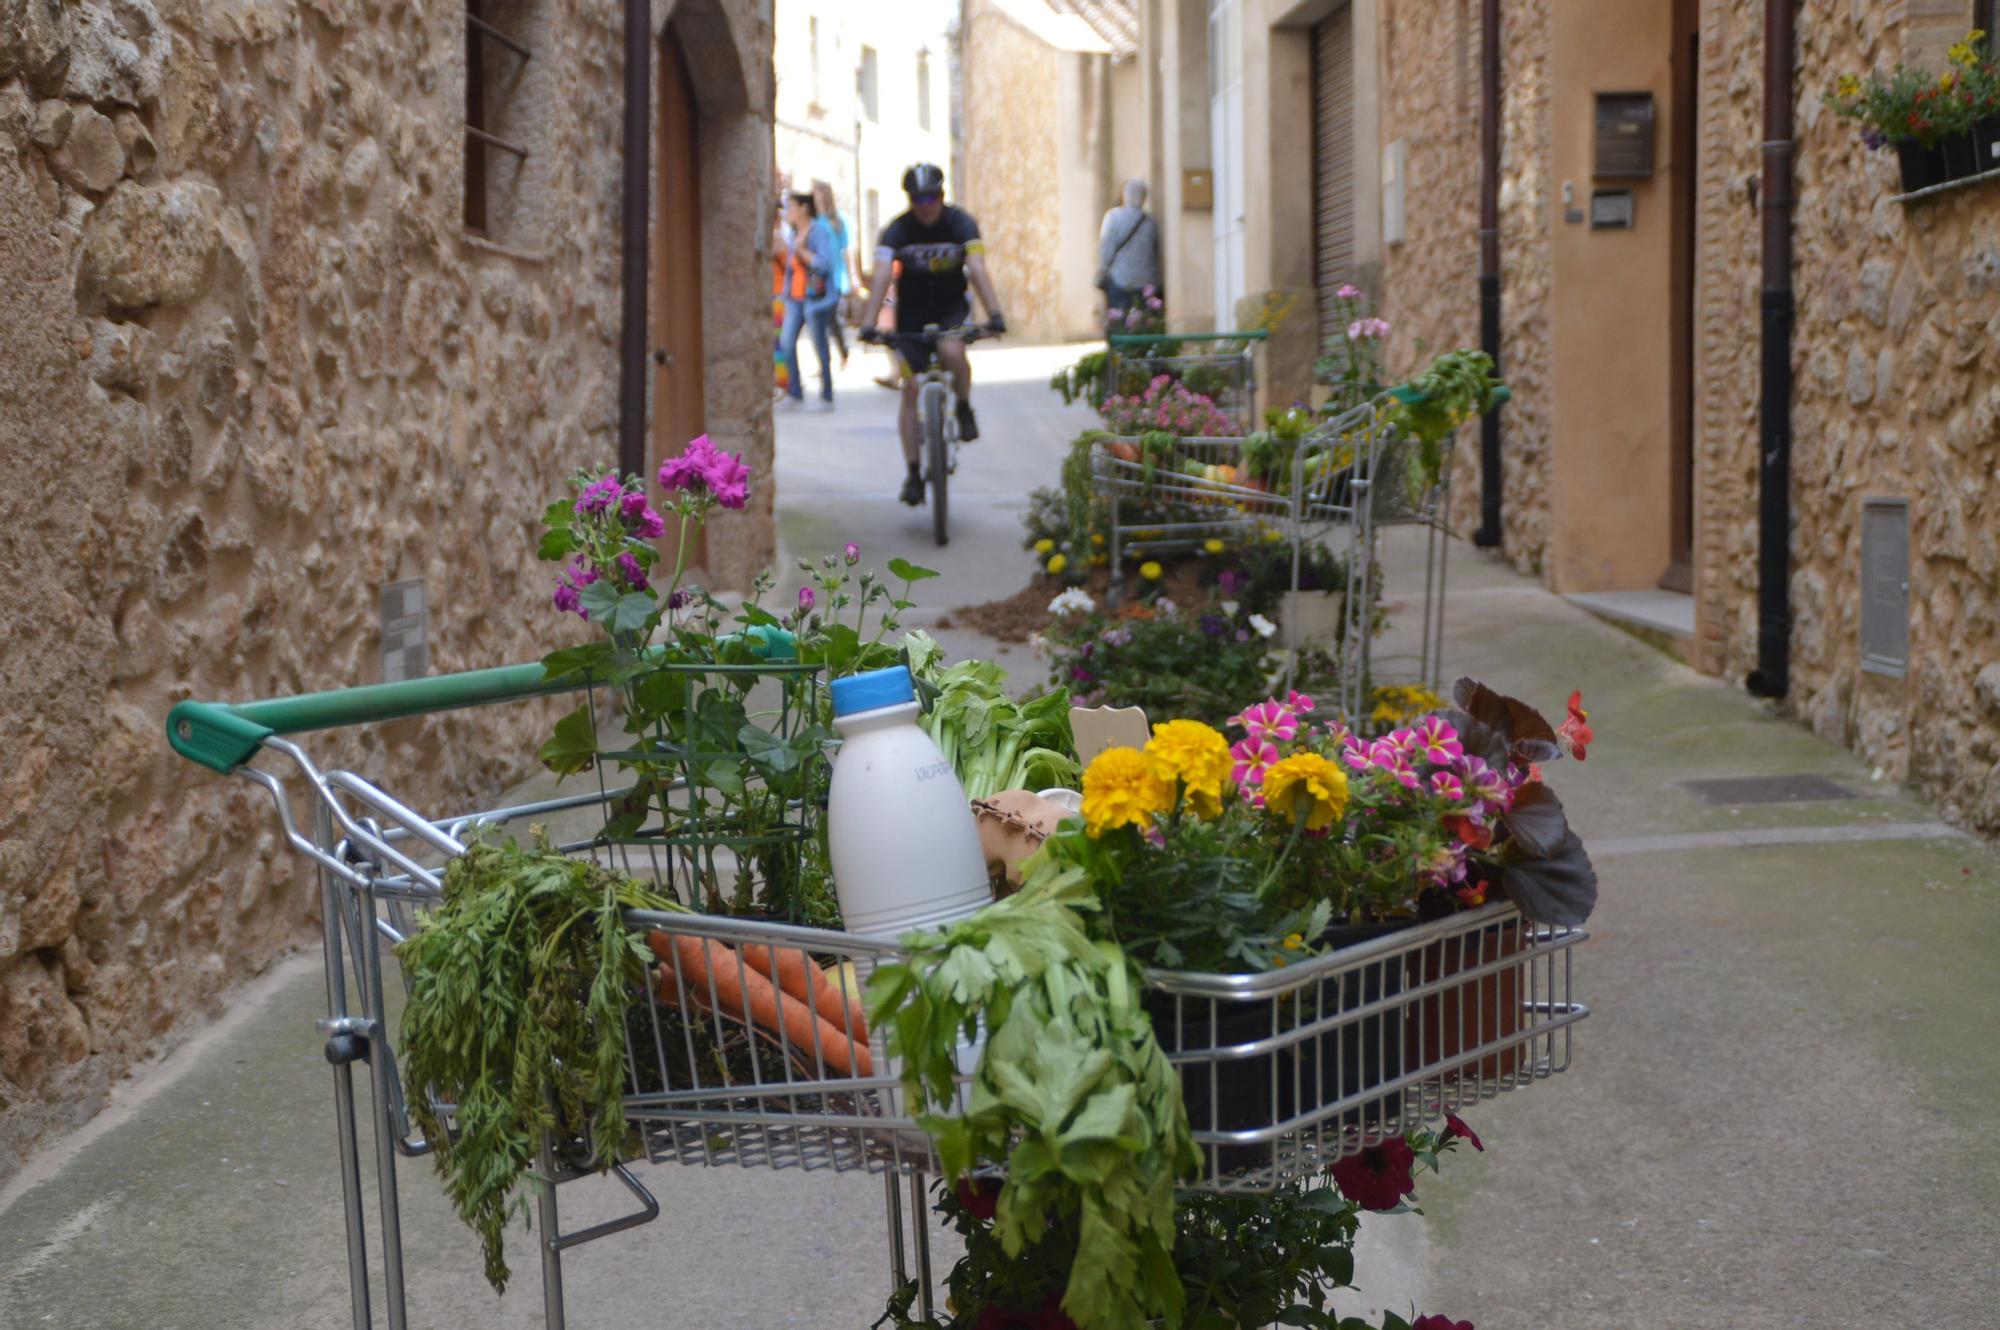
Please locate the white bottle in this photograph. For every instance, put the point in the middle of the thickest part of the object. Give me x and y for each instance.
(901, 833)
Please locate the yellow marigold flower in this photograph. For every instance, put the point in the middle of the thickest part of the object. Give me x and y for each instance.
(1097, 537)
(1849, 86)
(1213, 545)
(1044, 545)
(1272, 535)
(1307, 788)
(1197, 757)
(1151, 570)
(1294, 942)
(1058, 563)
(1122, 789)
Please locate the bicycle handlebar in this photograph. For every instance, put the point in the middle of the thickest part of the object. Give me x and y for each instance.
(967, 332)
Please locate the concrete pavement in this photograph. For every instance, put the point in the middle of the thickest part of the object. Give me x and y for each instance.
(1783, 1112)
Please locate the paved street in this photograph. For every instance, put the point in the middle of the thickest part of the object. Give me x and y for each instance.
(1782, 1113)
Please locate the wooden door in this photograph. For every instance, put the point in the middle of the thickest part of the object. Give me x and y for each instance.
(678, 408)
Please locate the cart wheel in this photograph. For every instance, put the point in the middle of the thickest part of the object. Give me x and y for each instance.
(342, 1049)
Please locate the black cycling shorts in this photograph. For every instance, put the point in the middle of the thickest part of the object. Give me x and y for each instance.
(914, 355)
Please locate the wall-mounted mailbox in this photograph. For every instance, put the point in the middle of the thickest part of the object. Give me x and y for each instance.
(1611, 210)
(1623, 149)
(1197, 191)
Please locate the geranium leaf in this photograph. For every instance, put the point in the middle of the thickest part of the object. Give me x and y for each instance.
(1536, 821)
(573, 747)
(910, 572)
(1558, 888)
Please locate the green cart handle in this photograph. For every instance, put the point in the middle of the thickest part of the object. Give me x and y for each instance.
(223, 735)
(1409, 396)
(1154, 339)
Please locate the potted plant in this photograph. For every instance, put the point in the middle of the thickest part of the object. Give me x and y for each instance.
(1943, 126)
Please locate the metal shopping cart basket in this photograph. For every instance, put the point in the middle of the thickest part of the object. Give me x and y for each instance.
(1220, 366)
(1282, 1073)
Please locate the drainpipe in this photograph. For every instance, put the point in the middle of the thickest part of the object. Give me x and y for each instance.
(1774, 402)
(1488, 534)
(638, 175)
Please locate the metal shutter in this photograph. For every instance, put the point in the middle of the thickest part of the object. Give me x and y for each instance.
(1333, 159)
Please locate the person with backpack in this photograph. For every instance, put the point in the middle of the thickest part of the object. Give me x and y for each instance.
(1128, 255)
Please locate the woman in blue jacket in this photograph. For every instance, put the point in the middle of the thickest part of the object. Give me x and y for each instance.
(811, 295)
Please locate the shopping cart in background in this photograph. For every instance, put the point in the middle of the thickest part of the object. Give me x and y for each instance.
(1342, 485)
(1282, 1072)
(1221, 366)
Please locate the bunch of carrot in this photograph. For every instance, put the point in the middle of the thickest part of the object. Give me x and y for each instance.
(776, 988)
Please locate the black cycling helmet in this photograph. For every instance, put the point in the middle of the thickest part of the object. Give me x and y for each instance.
(923, 178)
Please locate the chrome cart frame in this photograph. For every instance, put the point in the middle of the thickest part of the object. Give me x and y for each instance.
(1347, 475)
(1282, 1072)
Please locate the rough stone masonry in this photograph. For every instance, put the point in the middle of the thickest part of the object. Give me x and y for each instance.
(254, 369)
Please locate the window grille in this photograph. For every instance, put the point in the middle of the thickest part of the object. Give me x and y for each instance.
(480, 111)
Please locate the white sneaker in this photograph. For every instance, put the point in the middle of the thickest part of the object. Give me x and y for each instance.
(787, 403)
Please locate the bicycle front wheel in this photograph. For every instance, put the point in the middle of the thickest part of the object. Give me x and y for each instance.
(937, 460)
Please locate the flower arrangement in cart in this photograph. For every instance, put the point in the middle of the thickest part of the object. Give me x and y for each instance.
(1204, 852)
(1215, 855)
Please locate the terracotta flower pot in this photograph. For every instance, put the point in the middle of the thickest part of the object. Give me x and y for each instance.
(1480, 1009)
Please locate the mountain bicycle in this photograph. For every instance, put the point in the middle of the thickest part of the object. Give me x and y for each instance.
(940, 442)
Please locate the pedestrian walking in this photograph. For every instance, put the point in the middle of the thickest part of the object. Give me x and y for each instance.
(1128, 254)
(845, 275)
(809, 299)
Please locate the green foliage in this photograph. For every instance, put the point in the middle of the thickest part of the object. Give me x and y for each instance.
(1457, 386)
(1205, 900)
(1072, 1093)
(520, 980)
(1911, 106)
(1189, 664)
(1083, 381)
(1261, 1260)
(993, 742)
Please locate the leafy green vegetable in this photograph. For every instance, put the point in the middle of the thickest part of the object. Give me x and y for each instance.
(1072, 1092)
(519, 984)
(993, 742)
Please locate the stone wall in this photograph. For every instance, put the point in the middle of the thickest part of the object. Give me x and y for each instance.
(1430, 282)
(1896, 360)
(1013, 163)
(255, 369)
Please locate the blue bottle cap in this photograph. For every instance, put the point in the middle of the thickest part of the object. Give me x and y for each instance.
(872, 689)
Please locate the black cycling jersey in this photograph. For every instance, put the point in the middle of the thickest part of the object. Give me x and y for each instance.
(930, 288)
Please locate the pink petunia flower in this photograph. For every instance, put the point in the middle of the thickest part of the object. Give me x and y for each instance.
(1438, 741)
(1253, 756)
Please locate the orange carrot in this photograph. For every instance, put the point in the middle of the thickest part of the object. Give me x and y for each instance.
(738, 990)
(800, 978)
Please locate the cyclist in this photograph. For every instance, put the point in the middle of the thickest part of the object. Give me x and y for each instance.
(936, 250)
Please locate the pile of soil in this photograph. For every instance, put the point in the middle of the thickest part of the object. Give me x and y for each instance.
(1026, 612)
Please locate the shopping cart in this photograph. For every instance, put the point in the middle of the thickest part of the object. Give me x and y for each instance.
(1282, 1073)
(1220, 366)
